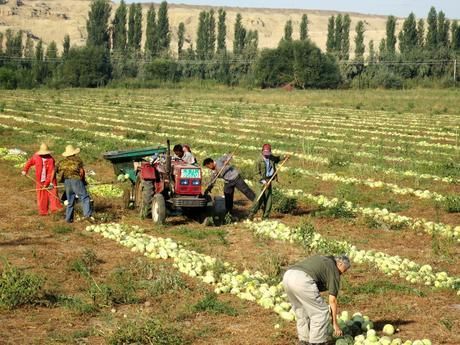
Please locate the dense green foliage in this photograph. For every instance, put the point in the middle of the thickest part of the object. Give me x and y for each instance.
(419, 53)
(299, 63)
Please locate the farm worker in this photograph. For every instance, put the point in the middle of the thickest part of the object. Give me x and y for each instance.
(232, 179)
(303, 283)
(71, 171)
(188, 155)
(178, 153)
(44, 180)
(265, 169)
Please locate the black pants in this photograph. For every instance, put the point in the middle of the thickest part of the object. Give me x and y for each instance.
(229, 191)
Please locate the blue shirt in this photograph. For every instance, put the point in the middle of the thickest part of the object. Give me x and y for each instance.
(269, 167)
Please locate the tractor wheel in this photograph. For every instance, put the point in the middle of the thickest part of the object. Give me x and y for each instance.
(158, 209)
(219, 210)
(145, 205)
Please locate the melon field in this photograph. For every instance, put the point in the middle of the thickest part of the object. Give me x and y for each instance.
(373, 174)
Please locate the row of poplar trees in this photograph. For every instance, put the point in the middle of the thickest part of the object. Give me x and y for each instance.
(421, 49)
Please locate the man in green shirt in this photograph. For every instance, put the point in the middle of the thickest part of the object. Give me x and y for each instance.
(303, 283)
(265, 169)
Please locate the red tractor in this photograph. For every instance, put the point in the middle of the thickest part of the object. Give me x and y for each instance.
(162, 186)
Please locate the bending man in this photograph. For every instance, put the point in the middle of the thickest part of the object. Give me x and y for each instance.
(232, 180)
(303, 283)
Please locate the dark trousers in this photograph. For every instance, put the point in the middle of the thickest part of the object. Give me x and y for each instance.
(229, 191)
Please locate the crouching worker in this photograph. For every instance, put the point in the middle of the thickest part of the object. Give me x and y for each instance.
(232, 179)
(45, 182)
(70, 170)
(303, 283)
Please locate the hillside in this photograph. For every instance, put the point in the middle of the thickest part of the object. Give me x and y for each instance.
(50, 20)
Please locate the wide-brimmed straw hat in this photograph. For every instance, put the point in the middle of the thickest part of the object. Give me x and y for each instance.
(71, 151)
(44, 150)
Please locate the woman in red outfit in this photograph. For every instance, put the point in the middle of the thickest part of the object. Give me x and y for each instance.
(45, 180)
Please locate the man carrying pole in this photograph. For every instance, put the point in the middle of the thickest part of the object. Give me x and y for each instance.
(266, 172)
(232, 179)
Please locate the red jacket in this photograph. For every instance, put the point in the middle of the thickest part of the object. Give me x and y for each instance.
(36, 160)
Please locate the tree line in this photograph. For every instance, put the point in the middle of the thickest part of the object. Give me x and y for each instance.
(114, 52)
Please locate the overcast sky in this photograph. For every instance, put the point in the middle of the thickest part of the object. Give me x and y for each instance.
(386, 7)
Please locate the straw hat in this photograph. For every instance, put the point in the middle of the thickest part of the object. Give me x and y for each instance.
(71, 151)
(44, 150)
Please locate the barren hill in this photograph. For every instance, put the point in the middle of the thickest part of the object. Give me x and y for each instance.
(50, 20)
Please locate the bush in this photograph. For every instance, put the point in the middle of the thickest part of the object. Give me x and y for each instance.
(85, 67)
(298, 62)
(17, 287)
(163, 70)
(211, 304)
(282, 203)
(8, 79)
(146, 332)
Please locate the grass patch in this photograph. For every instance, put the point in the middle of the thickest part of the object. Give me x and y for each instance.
(62, 229)
(282, 203)
(86, 263)
(76, 305)
(146, 332)
(166, 281)
(452, 204)
(211, 304)
(201, 234)
(136, 135)
(340, 210)
(381, 287)
(391, 205)
(123, 287)
(338, 160)
(18, 287)
(271, 264)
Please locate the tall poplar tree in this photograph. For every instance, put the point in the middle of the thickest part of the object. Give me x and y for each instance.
(443, 30)
(391, 35)
(330, 43)
(164, 35)
(345, 46)
(371, 57)
(66, 46)
(455, 34)
(420, 33)
(151, 33)
(408, 38)
(180, 40)
(432, 34)
(359, 41)
(119, 32)
(211, 46)
(222, 31)
(97, 24)
(288, 31)
(202, 36)
(338, 34)
(304, 28)
(137, 34)
(131, 24)
(239, 35)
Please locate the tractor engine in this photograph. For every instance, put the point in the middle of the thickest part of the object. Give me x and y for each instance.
(187, 180)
